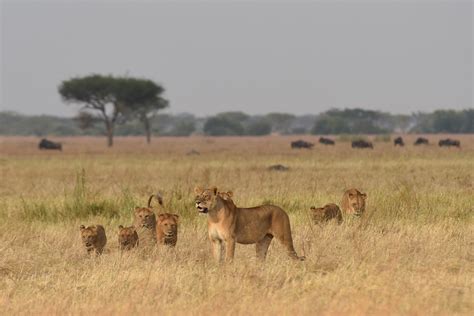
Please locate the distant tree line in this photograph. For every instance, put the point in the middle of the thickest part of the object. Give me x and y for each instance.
(333, 122)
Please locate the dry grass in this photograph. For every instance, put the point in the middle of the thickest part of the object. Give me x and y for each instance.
(413, 254)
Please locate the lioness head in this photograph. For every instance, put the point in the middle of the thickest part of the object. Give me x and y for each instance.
(89, 236)
(356, 201)
(168, 224)
(206, 199)
(128, 237)
(144, 217)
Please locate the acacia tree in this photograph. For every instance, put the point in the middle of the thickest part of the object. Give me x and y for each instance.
(113, 98)
(141, 99)
(96, 93)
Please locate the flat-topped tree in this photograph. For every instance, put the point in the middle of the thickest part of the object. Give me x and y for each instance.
(97, 93)
(141, 99)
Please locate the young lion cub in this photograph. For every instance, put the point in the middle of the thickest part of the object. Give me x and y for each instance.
(166, 224)
(93, 238)
(127, 237)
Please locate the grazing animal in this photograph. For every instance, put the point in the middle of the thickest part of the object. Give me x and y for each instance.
(278, 168)
(362, 144)
(301, 144)
(448, 142)
(353, 202)
(93, 238)
(326, 141)
(228, 224)
(421, 141)
(47, 144)
(144, 222)
(326, 213)
(127, 237)
(167, 229)
(398, 141)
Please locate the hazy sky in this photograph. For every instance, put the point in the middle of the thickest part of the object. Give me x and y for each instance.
(254, 56)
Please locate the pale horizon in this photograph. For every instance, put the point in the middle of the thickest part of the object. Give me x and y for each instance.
(254, 57)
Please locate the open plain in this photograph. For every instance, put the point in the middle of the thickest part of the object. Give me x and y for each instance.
(412, 253)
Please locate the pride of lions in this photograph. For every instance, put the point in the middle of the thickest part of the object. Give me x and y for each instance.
(228, 224)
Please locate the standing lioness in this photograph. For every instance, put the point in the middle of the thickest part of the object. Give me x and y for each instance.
(229, 224)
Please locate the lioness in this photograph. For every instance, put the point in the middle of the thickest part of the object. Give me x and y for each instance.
(326, 213)
(145, 224)
(228, 224)
(93, 238)
(353, 202)
(127, 237)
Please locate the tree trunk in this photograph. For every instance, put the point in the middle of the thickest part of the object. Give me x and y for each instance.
(110, 133)
(146, 122)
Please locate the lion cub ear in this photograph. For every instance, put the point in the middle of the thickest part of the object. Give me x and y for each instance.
(82, 227)
(313, 208)
(364, 196)
(230, 194)
(137, 209)
(198, 190)
(214, 190)
(120, 227)
(176, 217)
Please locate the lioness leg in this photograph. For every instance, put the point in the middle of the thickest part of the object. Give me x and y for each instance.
(229, 249)
(262, 246)
(283, 233)
(217, 249)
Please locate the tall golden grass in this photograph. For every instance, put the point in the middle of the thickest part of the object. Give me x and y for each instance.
(412, 253)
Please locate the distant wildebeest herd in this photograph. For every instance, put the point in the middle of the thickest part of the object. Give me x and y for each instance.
(361, 143)
(227, 224)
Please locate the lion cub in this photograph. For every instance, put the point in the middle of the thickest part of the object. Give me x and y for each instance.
(353, 202)
(166, 224)
(167, 229)
(127, 237)
(93, 238)
(326, 213)
(144, 222)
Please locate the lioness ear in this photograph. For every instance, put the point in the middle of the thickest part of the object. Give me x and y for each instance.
(214, 190)
(161, 216)
(82, 227)
(198, 190)
(364, 196)
(230, 193)
(312, 208)
(176, 217)
(351, 195)
(137, 209)
(120, 227)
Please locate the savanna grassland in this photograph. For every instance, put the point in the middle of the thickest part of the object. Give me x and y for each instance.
(413, 252)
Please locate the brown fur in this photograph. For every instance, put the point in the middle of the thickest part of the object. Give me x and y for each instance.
(145, 224)
(127, 237)
(93, 238)
(167, 229)
(353, 202)
(326, 213)
(228, 224)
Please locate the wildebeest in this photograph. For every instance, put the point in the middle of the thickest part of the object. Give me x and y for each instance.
(448, 142)
(301, 144)
(421, 141)
(278, 168)
(398, 141)
(326, 141)
(362, 144)
(47, 144)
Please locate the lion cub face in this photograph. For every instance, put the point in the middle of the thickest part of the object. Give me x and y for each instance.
(128, 237)
(167, 228)
(144, 217)
(206, 199)
(93, 238)
(355, 202)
